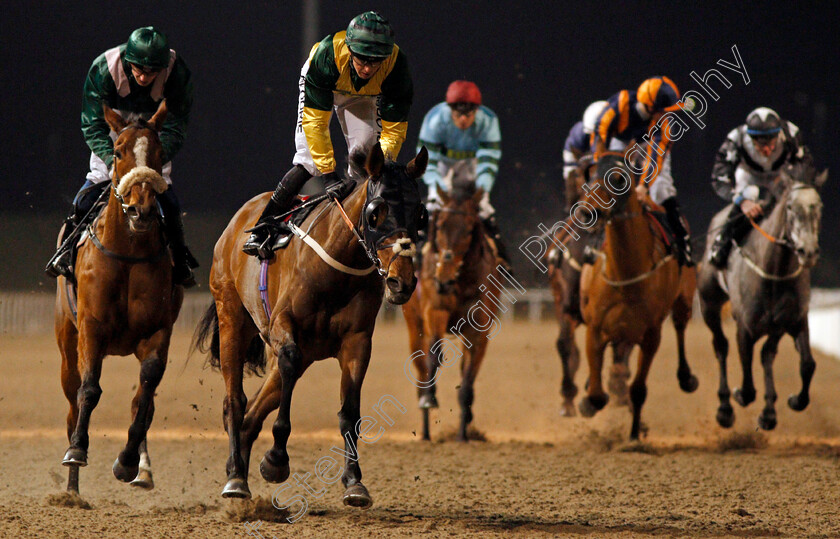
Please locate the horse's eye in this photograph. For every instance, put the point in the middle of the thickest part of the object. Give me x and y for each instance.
(376, 212)
(118, 154)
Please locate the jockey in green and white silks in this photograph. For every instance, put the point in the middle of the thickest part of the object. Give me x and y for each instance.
(361, 76)
(465, 145)
(133, 78)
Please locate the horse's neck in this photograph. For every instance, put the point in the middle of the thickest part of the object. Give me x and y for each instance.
(347, 247)
(629, 242)
(774, 258)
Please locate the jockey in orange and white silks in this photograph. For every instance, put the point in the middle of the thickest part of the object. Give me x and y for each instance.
(640, 117)
(361, 76)
(133, 79)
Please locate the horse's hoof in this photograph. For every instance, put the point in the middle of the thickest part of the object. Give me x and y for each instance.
(357, 496)
(743, 398)
(124, 473)
(144, 479)
(767, 420)
(568, 410)
(75, 457)
(725, 417)
(798, 403)
(689, 385)
(590, 405)
(272, 473)
(427, 401)
(236, 488)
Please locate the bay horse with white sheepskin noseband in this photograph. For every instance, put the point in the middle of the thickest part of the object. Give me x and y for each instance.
(768, 282)
(457, 265)
(127, 303)
(630, 290)
(313, 309)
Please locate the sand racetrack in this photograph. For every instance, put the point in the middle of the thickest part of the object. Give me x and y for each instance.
(538, 475)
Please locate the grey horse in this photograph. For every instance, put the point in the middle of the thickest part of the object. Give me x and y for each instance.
(768, 281)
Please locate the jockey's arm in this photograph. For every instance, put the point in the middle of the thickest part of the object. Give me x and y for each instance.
(723, 171)
(319, 84)
(397, 94)
(432, 137)
(98, 85)
(489, 153)
(179, 100)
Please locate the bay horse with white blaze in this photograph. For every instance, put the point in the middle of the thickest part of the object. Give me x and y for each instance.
(630, 290)
(768, 282)
(458, 264)
(126, 303)
(320, 300)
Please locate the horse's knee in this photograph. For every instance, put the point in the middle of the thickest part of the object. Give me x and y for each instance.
(89, 393)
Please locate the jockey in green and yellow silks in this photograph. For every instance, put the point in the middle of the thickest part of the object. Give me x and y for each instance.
(362, 76)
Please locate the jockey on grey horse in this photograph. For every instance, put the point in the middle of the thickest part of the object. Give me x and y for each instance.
(746, 164)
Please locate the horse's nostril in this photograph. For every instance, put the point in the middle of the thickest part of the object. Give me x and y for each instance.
(393, 284)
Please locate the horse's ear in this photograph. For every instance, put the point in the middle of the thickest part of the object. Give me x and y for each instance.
(417, 166)
(478, 195)
(114, 120)
(442, 195)
(820, 179)
(156, 121)
(375, 161)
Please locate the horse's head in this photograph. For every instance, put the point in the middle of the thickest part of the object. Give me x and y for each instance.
(609, 189)
(392, 215)
(454, 232)
(138, 162)
(803, 210)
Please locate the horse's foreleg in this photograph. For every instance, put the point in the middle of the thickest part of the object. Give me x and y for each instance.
(680, 315)
(353, 357)
(620, 373)
(70, 383)
(266, 400)
(746, 342)
(767, 419)
(471, 363)
(711, 315)
(274, 466)
(153, 363)
(596, 398)
(638, 389)
(807, 365)
(90, 355)
(570, 361)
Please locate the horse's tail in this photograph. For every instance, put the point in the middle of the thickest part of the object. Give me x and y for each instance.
(208, 330)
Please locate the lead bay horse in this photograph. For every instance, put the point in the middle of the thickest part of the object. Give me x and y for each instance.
(126, 302)
(630, 290)
(768, 281)
(315, 307)
(458, 264)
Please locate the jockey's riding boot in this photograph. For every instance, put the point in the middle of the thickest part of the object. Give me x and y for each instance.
(731, 230)
(182, 258)
(681, 236)
(492, 229)
(259, 244)
(63, 260)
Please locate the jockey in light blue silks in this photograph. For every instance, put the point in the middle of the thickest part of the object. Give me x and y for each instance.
(465, 144)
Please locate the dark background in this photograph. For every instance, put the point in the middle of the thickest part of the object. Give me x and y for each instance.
(538, 65)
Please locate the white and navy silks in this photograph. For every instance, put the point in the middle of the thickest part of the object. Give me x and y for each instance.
(741, 172)
(471, 154)
(577, 145)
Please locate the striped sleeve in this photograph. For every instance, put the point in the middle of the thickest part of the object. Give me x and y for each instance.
(397, 94)
(317, 104)
(431, 136)
(489, 152)
(656, 149)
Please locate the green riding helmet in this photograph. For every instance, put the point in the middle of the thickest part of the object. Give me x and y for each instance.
(370, 35)
(147, 47)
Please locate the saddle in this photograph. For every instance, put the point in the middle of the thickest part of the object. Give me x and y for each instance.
(280, 230)
(659, 226)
